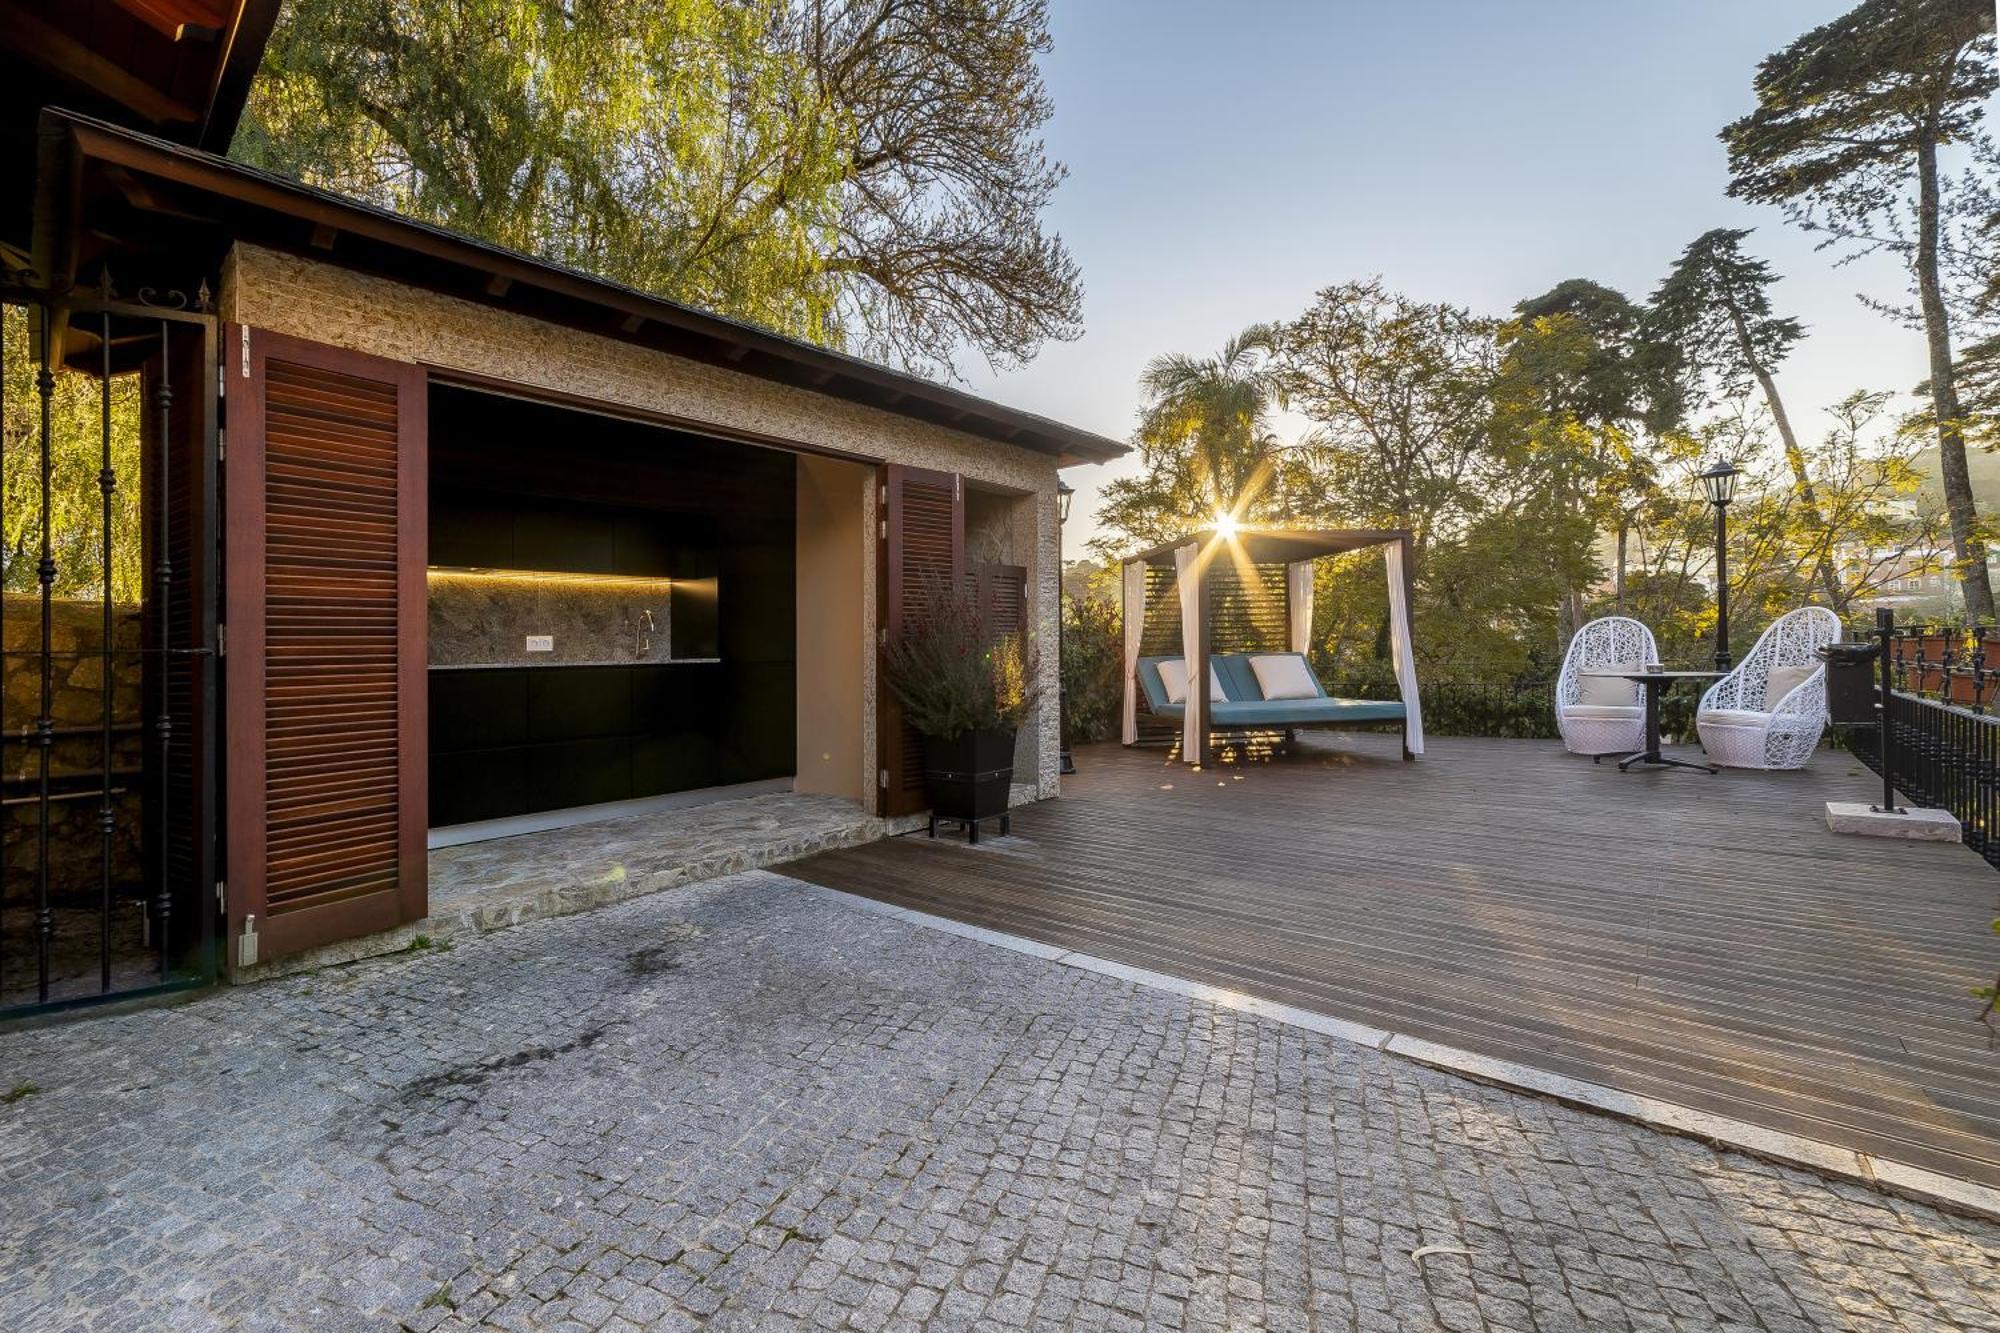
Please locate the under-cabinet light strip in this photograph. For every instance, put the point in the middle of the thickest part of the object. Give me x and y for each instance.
(545, 576)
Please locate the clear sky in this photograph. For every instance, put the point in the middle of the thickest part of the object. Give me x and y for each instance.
(1227, 160)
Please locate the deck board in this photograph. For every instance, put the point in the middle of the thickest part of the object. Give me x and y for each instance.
(1700, 939)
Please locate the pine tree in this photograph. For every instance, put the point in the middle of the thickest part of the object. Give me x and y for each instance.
(1849, 119)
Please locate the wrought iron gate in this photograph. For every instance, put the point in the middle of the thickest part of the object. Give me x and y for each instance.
(107, 588)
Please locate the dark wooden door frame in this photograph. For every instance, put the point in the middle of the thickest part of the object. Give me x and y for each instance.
(893, 786)
(244, 358)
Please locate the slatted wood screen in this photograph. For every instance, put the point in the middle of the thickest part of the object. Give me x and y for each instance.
(325, 481)
(923, 544)
(1002, 592)
(1249, 609)
(1249, 616)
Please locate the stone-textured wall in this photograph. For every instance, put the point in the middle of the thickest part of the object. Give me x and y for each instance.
(327, 304)
(75, 851)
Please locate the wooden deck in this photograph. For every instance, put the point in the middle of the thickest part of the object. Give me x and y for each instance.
(1694, 938)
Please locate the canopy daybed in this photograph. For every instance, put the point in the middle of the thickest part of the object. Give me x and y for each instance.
(1236, 607)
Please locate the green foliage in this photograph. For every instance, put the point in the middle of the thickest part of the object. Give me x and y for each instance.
(1846, 134)
(1093, 661)
(1618, 372)
(1990, 994)
(954, 672)
(1479, 704)
(865, 173)
(19, 1092)
(76, 504)
(1714, 308)
(1843, 112)
(601, 136)
(1205, 441)
(1399, 393)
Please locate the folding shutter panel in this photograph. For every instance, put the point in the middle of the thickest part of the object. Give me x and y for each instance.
(923, 544)
(325, 485)
(1003, 595)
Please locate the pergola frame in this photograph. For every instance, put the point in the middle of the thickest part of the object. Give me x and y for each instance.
(1254, 547)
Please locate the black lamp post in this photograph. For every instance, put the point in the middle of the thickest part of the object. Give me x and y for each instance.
(1720, 483)
(1065, 496)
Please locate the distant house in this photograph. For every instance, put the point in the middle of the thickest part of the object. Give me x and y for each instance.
(442, 536)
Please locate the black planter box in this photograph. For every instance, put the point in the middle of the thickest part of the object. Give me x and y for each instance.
(969, 778)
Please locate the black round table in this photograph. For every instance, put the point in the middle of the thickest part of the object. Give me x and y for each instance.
(1653, 682)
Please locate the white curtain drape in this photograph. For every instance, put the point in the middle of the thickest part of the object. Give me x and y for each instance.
(1400, 646)
(1184, 582)
(1135, 630)
(1299, 595)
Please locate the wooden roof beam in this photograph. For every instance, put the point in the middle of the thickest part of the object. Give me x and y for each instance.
(56, 50)
(179, 20)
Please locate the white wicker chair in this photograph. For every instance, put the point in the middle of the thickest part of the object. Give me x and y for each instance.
(1598, 727)
(1742, 725)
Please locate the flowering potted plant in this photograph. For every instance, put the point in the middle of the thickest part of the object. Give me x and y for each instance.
(965, 687)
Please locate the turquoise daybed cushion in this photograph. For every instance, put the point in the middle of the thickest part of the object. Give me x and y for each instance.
(1247, 706)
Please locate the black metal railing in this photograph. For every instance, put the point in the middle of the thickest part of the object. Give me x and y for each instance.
(1952, 664)
(108, 901)
(1946, 756)
(1939, 741)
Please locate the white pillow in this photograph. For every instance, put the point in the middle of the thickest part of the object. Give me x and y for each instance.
(1174, 674)
(1782, 681)
(1284, 676)
(1607, 691)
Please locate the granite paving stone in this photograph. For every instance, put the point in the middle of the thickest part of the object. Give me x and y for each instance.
(755, 1104)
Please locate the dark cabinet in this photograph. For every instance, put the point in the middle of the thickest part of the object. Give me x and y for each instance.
(471, 531)
(478, 710)
(473, 536)
(577, 703)
(516, 740)
(643, 544)
(573, 541)
(586, 772)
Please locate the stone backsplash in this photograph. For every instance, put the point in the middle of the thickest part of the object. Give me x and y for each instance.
(484, 618)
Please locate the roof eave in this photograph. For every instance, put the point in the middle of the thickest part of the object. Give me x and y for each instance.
(624, 311)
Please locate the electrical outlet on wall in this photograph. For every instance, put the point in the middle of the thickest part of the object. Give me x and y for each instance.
(541, 643)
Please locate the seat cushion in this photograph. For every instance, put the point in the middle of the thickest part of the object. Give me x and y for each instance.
(1174, 675)
(1239, 682)
(1594, 691)
(1731, 717)
(1783, 680)
(1284, 676)
(1605, 712)
(1306, 712)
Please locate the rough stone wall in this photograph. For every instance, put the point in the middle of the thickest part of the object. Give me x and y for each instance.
(327, 304)
(75, 852)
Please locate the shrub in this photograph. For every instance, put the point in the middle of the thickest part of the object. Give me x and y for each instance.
(1093, 660)
(954, 671)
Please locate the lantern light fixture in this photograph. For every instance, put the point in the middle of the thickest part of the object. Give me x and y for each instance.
(1720, 481)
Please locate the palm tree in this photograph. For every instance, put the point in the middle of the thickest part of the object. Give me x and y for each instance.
(1206, 421)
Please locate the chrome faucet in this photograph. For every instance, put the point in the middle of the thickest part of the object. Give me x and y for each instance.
(642, 632)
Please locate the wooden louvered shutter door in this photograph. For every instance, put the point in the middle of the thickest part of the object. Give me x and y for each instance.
(923, 542)
(325, 485)
(1002, 591)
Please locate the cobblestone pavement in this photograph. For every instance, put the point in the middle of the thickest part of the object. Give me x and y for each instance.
(753, 1105)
